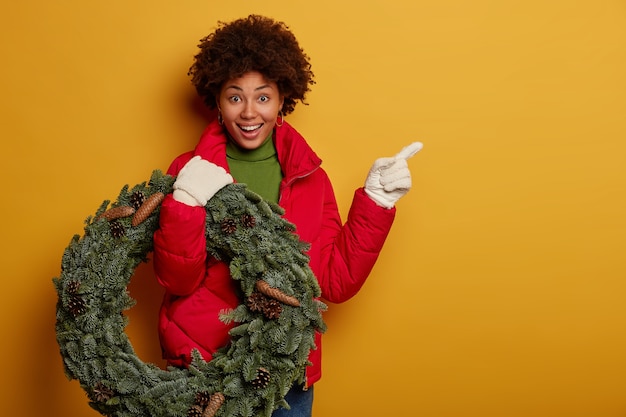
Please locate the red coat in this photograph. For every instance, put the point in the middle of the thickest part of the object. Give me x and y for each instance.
(199, 287)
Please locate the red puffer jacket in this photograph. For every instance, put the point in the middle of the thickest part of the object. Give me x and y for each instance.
(199, 287)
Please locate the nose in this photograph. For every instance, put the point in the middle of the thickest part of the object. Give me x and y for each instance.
(249, 110)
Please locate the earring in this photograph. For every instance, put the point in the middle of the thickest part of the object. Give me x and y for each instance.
(220, 119)
(282, 119)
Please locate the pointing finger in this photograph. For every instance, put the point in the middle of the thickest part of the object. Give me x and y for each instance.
(409, 150)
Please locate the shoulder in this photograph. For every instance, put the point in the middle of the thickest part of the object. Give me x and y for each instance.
(211, 146)
(295, 155)
(179, 163)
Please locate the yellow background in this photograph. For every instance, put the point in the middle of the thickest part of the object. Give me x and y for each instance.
(501, 290)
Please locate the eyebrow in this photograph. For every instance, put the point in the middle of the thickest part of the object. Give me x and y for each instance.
(261, 87)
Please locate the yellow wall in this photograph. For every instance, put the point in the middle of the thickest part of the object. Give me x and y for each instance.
(501, 289)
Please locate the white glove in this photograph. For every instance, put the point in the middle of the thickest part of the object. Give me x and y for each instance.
(389, 178)
(198, 181)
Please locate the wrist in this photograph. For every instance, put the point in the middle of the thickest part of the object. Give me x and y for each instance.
(184, 197)
(380, 199)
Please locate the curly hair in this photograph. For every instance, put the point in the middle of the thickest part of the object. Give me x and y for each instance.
(255, 43)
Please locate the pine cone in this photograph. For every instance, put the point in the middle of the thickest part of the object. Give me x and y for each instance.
(248, 220)
(195, 411)
(215, 403)
(147, 207)
(257, 302)
(76, 305)
(72, 287)
(272, 309)
(229, 226)
(102, 393)
(203, 398)
(117, 213)
(262, 378)
(136, 199)
(117, 229)
(276, 294)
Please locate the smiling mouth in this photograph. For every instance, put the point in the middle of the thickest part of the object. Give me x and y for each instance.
(250, 128)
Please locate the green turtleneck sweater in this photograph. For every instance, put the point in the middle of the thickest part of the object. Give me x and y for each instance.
(257, 168)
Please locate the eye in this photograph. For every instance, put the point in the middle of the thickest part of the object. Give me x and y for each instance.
(234, 99)
(264, 99)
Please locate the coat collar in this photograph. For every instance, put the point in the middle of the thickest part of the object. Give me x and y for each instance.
(295, 156)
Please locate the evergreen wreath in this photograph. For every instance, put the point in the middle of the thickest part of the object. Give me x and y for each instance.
(275, 323)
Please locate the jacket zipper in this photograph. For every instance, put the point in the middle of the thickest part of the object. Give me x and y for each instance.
(305, 387)
(292, 180)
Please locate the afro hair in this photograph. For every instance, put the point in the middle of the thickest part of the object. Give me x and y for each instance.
(255, 43)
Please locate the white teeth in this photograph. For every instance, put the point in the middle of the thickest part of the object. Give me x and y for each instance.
(250, 128)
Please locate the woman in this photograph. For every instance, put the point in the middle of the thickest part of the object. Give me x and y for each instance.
(253, 71)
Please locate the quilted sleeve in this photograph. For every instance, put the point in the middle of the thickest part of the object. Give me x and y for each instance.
(179, 242)
(180, 247)
(349, 251)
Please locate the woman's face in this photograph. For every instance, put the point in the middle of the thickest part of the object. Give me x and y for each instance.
(250, 105)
